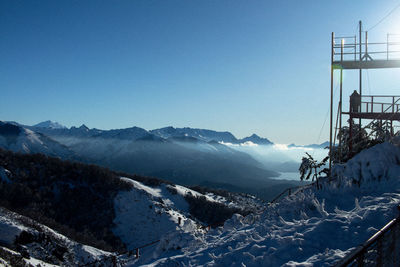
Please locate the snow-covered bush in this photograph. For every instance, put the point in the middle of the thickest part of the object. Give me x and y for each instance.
(310, 165)
(359, 139)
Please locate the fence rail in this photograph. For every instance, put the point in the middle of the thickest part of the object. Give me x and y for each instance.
(350, 49)
(380, 104)
(382, 249)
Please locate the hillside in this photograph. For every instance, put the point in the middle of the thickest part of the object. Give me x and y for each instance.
(94, 206)
(311, 228)
(24, 241)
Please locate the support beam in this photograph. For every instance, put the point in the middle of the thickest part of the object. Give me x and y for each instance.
(374, 116)
(374, 64)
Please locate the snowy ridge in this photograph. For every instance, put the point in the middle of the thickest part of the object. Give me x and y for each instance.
(158, 211)
(50, 124)
(20, 139)
(312, 227)
(43, 250)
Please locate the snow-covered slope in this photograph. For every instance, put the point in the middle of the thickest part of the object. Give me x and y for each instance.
(310, 228)
(156, 212)
(33, 243)
(19, 139)
(49, 124)
(146, 214)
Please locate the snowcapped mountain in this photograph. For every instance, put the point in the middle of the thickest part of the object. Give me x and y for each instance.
(182, 155)
(49, 124)
(256, 140)
(208, 135)
(19, 139)
(201, 134)
(69, 135)
(133, 133)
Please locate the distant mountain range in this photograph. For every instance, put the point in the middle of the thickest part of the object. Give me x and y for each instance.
(322, 145)
(185, 156)
(134, 133)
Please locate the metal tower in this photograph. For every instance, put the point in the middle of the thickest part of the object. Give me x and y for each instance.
(352, 53)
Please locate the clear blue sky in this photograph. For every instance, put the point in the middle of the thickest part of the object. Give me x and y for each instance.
(241, 66)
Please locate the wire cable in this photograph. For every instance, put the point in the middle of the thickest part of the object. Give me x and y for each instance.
(326, 116)
(369, 83)
(385, 17)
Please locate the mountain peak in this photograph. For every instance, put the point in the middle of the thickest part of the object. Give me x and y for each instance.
(49, 124)
(254, 138)
(84, 127)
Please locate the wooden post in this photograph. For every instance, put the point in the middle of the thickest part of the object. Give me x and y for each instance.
(350, 136)
(137, 253)
(391, 128)
(393, 104)
(360, 260)
(114, 260)
(394, 247)
(372, 104)
(379, 260)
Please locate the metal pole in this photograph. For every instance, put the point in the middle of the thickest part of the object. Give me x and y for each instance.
(387, 47)
(340, 103)
(366, 45)
(355, 47)
(360, 26)
(331, 118)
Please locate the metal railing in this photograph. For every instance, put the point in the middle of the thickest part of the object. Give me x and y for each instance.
(382, 249)
(348, 48)
(380, 104)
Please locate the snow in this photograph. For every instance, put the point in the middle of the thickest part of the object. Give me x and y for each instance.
(310, 228)
(9, 229)
(4, 173)
(50, 124)
(12, 224)
(153, 192)
(144, 214)
(184, 191)
(36, 262)
(28, 141)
